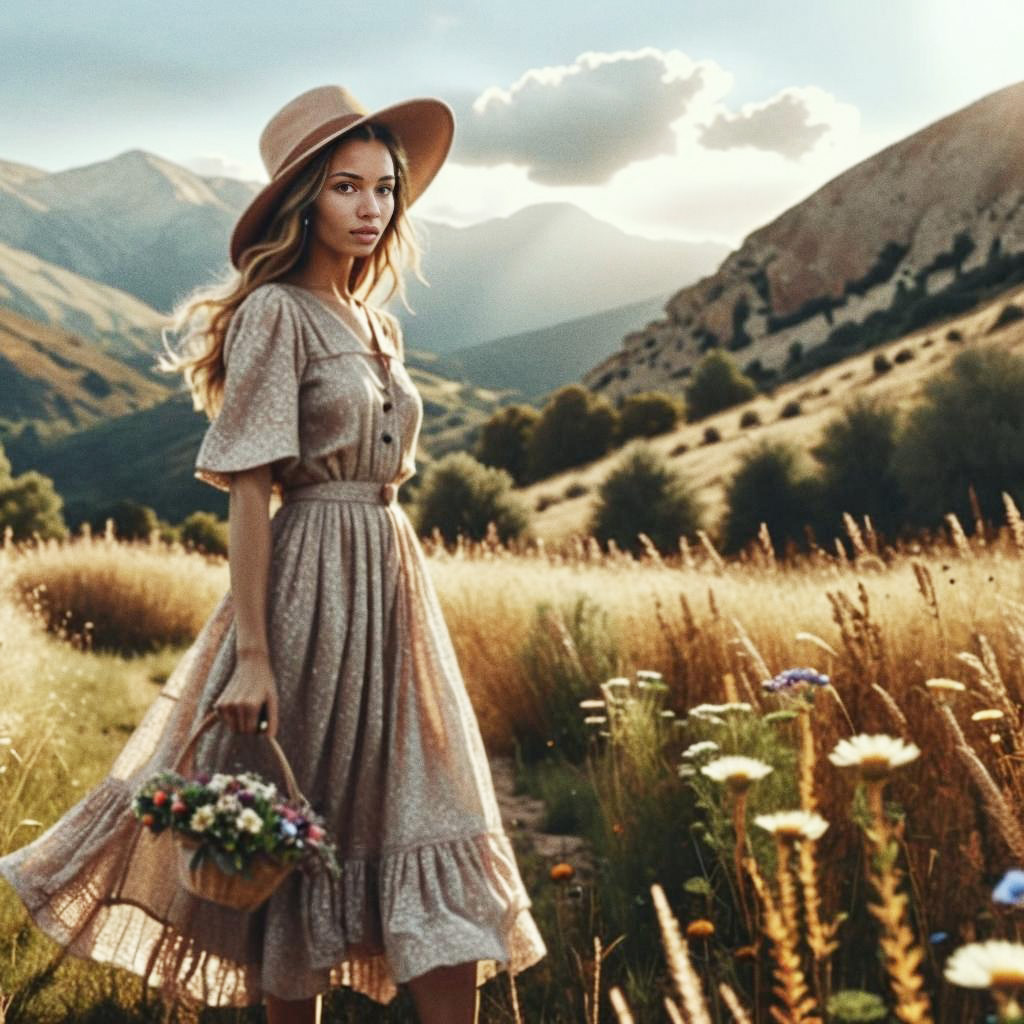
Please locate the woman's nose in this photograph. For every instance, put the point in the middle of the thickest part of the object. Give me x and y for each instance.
(369, 206)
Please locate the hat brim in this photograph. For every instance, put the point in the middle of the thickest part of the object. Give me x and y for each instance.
(425, 126)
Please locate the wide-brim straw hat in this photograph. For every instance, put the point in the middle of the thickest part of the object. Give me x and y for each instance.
(301, 128)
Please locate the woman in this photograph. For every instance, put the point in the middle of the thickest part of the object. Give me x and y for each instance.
(331, 629)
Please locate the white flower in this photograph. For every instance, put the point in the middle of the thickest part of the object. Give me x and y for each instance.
(988, 715)
(202, 818)
(735, 771)
(618, 681)
(595, 720)
(948, 685)
(875, 755)
(793, 824)
(592, 703)
(249, 821)
(992, 964)
(228, 803)
(647, 673)
(711, 712)
(696, 749)
(218, 782)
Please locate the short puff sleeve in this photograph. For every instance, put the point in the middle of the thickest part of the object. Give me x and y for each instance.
(258, 422)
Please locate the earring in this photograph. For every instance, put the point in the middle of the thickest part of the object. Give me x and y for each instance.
(305, 228)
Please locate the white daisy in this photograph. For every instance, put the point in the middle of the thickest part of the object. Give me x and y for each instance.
(218, 782)
(874, 755)
(228, 803)
(249, 821)
(696, 749)
(202, 818)
(793, 824)
(738, 773)
(992, 964)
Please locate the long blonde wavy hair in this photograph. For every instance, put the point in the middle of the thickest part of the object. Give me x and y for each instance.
(201, 319)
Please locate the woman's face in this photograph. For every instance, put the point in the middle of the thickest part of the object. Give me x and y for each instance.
(357, 200)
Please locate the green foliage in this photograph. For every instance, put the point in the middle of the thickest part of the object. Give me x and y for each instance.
(505, 440)
(205, 532)
(575, 426)
(132, 520)
(643, 493)
(856, 455)
(771, 486)
(969, 430)
(460, 495)
(717, 384)
(29, 504)
(647, 414)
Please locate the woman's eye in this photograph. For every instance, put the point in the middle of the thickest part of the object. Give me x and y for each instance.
(386, 190)
(344, 184)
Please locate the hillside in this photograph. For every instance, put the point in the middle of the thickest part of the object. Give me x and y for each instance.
(926, 228)
(821, 395)
(537, 362)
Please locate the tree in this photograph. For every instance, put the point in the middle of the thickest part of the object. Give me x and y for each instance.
(648, 413)
(575, 426)
(643, 494)
(771, 486)
(968, 431)
(460, 495)
(505, 440)
(29, 504)
(856, 456)
(717, 384)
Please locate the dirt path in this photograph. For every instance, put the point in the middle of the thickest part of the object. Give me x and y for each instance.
(523, 815)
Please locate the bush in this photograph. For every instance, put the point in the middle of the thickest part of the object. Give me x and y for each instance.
(1009, 314)
(29, 504)
(903, 356)
(460, 495)
(642, 494)
(790, 409)
(574, 427)
(881, 363)
(576, 490)
(204, 532)
(712, 435)
(717, 384)
(647, 414)
(856, 454)
(750, 418)
(954, 335)
(132, 521)
(545, 501)
(772, 487)
(969, 430)
(505, 440)
(680, 449)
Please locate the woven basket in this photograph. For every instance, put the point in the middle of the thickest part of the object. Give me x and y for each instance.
(208, 881)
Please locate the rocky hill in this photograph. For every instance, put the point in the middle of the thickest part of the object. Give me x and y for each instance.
(926, 227)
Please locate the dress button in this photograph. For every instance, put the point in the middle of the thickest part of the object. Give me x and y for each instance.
(386, 438)
(387, 407)
(387, 493)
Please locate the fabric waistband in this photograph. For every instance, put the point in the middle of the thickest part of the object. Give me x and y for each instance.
(370, 491)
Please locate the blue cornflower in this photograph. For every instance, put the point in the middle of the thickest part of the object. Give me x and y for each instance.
(937, 938)
(288, 829)
(791, 677)
(1011, 889)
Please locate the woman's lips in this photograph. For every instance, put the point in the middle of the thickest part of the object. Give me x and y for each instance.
(366, 234)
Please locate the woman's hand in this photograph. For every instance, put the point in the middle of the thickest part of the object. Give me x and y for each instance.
(252, 686)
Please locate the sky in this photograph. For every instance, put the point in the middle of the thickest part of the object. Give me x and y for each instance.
(668, 118)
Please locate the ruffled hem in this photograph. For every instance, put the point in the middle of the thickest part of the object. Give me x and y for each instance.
(89, 884)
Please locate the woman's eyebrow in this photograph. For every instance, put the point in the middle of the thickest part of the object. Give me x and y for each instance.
(359, 177)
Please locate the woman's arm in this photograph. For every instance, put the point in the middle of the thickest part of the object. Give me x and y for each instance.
(249, 538)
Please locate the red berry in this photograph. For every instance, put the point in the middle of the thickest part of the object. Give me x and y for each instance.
(148, 819)
(178, 807)
(159, 798)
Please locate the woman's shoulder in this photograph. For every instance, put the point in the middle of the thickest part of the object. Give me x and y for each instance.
(265, 313)
(392, 329)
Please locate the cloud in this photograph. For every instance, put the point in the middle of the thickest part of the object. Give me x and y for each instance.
(790, 123)
(580, 123)
(213, 165)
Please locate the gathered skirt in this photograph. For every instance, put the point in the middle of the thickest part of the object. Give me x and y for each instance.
(377, 725)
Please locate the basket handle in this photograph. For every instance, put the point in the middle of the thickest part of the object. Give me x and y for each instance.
(286, 768)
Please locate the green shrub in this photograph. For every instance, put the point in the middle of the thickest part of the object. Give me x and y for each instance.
(771, 486)
(460, 495)
(712, 435)
(647, 414)
(790, 409)
(505, 440)
(750, 418)
(968, 430)
(204, 532)
(132, 521)
(575, 426)
(717, 384)
(856, 454)
(29, 504)
(1009, 314)
(643, 494)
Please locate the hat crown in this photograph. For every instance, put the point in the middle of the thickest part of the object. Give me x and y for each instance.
(300, 122)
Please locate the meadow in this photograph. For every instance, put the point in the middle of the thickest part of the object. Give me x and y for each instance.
(624, 688)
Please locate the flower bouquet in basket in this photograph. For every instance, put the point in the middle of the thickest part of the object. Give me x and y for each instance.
(238, 836)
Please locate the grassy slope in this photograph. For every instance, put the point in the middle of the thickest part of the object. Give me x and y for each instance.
(821, 394)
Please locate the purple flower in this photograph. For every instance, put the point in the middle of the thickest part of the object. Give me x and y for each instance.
(245, 797)
(793, 677)
(203, 778)
(1010, 890)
